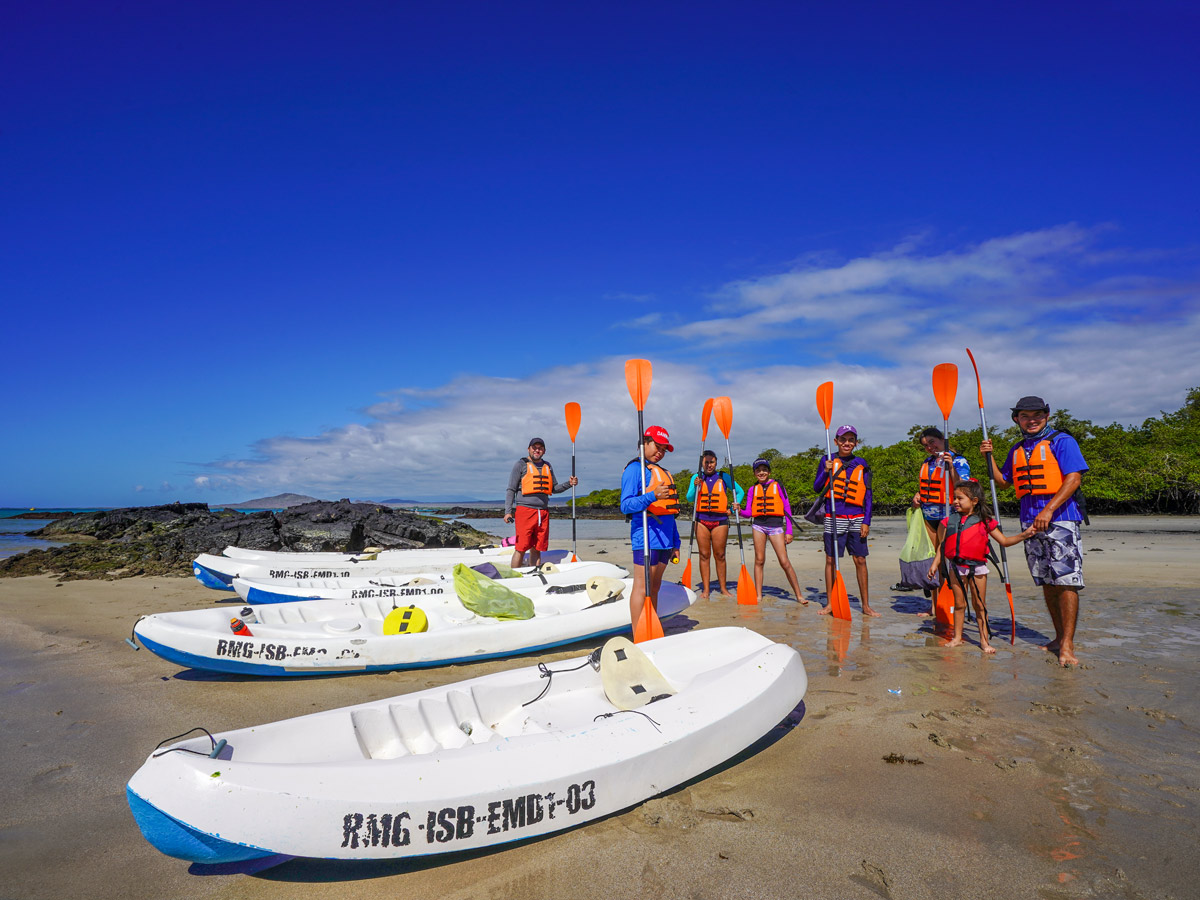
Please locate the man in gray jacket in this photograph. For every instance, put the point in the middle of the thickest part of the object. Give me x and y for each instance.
(527, 501)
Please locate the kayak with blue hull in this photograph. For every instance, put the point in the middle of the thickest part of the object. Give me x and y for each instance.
(254, 590)
(475, 764)
(218, 572)
(326, 637)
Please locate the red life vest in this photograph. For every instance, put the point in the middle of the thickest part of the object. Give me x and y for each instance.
(766, 501)
(851, 487)
(967, 540)
(537, 481)
(1037, 472)
(712, 501)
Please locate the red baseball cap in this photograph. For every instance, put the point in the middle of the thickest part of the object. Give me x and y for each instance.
(659, 435)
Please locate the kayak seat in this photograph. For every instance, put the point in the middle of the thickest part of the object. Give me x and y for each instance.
(275, 614)
(402, 729)
(376, 734)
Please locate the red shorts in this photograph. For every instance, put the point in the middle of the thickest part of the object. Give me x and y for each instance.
(533, 528)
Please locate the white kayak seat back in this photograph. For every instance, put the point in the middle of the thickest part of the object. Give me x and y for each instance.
(432, 724)
(410, 725)
(375, 610)
(377, 734)
(630, 679)
(442, 724)
(279, 614)
(497, 703)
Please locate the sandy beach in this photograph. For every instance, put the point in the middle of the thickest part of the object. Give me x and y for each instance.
(911, 770)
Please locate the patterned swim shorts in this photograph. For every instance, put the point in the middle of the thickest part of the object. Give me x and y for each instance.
(1055, 556)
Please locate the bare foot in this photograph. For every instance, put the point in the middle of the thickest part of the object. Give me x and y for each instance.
(803, 602)
(1052, 647)
(1066, 657)
(867, 611)
(924, 615)
(725, 596)
(953, 642)
(704, 596)
(824, 610)
(987, 648)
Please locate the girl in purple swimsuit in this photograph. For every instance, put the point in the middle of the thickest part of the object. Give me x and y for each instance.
(768, 507)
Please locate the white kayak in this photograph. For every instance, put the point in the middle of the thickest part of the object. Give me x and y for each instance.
(218, 572)
(471, 765)
(321, 637)
(369, 553)
(406, 587)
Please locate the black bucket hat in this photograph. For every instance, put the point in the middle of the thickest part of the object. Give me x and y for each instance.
(1030, 404)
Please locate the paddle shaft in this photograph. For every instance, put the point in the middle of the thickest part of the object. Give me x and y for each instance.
(645, 517)
(992, 484)
(996, 515)
(573, 541)
(696, 496)
(737, 513)
(832, 513)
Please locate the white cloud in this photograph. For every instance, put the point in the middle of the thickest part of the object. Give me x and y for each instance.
(1115, 346)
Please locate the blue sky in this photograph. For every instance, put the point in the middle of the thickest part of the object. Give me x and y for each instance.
(368, 252)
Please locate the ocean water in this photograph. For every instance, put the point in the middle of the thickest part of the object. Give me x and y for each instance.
(560, 527)
(14, 533)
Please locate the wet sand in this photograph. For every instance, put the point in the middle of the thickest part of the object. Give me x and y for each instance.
(1003, 776)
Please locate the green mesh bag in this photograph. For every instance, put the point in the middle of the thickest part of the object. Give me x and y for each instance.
(485, 597)
(916, 554)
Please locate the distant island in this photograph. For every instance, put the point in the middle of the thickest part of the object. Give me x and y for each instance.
(279, 501)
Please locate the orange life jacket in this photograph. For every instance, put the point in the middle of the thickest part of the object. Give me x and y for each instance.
(767, 501)
(851, 488)
(1037, 472)
(714, 501)
(658, 478)
(930, 487)
(537, 481)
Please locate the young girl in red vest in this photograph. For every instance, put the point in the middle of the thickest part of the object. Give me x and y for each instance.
(962, 538)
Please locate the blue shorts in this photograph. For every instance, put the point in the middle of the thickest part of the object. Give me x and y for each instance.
(657, 557)
(849, 535)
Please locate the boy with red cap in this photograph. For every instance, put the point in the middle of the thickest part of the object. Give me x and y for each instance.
(659, 542)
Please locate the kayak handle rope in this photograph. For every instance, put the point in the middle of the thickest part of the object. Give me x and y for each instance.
(132, 639)
(637, 711)
(217, 746)
(593, 660)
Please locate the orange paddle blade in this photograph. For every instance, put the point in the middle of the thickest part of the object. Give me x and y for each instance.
(723, 413)
(825, 402)
(573, 414)
(1012, 610)
(943, 608)
(978, 383)
(747, 594)
(839, 637)
(647, 627)
(638, 375)
(704, 417)
(945, 386)
(840, 601)
(686, 578)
